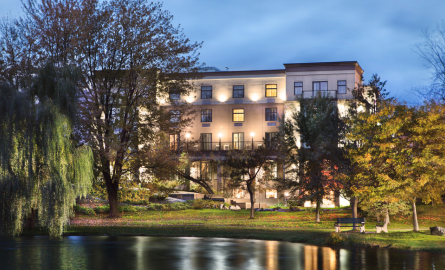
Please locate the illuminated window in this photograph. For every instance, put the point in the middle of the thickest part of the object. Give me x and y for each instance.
(271, 114)
(271, 90)
(238, 91)
(298, 88)
(238, 193)
(271, 194)
(206, 92)
(238, 115)
(206, 115)
(238, 140)
(341, 87)
(174, 141)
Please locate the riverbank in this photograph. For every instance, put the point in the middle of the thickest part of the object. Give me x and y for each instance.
(267, 225)
(394, 239)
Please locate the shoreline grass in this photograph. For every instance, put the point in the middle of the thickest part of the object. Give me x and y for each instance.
(282, 226)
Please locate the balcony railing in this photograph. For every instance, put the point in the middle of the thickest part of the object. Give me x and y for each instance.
(225, 146)
(312, 93)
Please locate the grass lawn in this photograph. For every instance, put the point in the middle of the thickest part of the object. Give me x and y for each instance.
(286, 226)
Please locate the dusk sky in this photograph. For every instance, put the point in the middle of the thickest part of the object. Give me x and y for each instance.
(255, 34)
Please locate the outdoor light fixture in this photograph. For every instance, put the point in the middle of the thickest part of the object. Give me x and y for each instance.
(222, 98)
(255, 97)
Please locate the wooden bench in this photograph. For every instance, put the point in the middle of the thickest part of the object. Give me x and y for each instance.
(352, 221)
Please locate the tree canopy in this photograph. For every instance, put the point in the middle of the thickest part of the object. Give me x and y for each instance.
(310, 138)
(130, 58)
(42, 170)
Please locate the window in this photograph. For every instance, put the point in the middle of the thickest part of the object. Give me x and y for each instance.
(298, 88)
(238, 193)
(206, 115)
(271, 114)
(238, 91)
(320, 86)
(270, 136)
(270, 140)
(238, 115)
(238, 140)
(206, 141)
(175, 116)
(174, 95)
(341, 87)
(174, 141)
(271, 90)
(271, 194)
(206, 92)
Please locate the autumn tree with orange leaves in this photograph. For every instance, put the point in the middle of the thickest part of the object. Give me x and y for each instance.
(401, 157)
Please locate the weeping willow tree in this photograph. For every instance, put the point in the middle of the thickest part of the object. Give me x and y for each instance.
(42, 170)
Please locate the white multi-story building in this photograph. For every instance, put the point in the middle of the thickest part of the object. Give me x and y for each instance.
(237, 109)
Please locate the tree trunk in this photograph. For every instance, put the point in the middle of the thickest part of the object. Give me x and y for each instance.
(200, 182)
(415, 223)
(112, 189)
(387, 222)
(31, 219)
(354, 210)
(249, 189)
(317, 210)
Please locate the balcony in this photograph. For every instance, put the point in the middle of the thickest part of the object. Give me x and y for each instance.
(223, 146)
(312, 93)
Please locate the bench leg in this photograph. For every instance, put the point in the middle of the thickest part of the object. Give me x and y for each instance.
(362, 229)
(378, 229)
(337, 229)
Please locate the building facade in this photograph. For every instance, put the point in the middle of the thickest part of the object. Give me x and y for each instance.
(239, 109)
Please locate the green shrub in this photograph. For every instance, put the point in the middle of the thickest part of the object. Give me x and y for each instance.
(102, 209)
(292, 204)
(334, 239)
(84, 210)
(130, 208)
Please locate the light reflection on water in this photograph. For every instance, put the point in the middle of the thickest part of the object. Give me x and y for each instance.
(105, 252)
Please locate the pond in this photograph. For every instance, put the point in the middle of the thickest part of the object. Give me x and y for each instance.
(141, 252)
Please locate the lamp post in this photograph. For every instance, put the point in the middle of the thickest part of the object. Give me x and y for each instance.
(251, 135)
(187, 135)
(219, 136)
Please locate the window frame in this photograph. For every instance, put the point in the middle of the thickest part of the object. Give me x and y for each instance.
(238, 145)
(174, 141)
(207, 90)
(208, 145)
(276, 90)
(175, 114)
(233, 114)
(295, 87)
(338, 86)
(271, 113)
(233, 91)
(207, 115)
(319, 83)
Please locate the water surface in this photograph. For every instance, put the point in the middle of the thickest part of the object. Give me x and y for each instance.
(141, 252)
